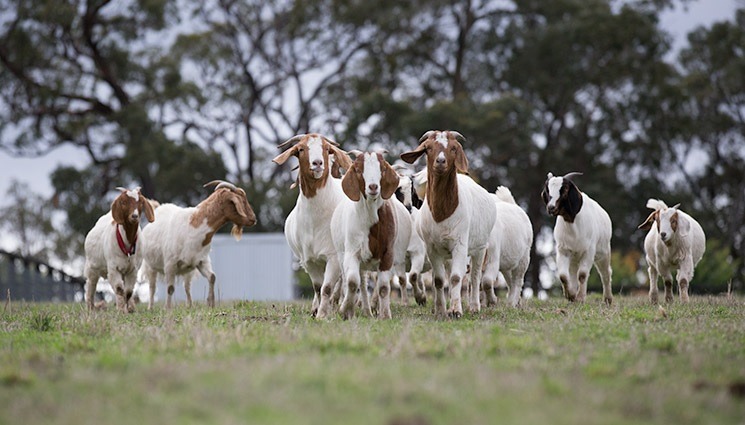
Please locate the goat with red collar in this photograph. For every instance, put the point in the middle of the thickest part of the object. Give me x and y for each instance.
(111, 247)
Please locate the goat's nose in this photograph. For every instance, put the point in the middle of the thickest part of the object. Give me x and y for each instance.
(317, 163)
(373, 187)
(440, 160)
(663, 235)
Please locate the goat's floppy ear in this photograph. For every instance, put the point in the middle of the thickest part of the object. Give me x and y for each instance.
(573, 201)
(412, 156)
(684, 226)
(350, 184)
(147, 207)
(238, 206)
(649, 221)
(389, 180)
(341, 157)
(284, 156)
(544, 194)
(461, 162)
(119, 210)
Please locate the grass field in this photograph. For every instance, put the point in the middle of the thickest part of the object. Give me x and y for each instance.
(547, 362)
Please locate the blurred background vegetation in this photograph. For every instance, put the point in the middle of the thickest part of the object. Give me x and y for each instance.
(169, 94)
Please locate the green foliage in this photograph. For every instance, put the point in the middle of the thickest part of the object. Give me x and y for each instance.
(716, 271)
(626, 273)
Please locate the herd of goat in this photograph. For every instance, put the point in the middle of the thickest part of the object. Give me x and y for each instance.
(347, 227)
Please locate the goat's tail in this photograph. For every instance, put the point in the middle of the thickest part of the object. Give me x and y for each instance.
(504, 195)
(656, 204)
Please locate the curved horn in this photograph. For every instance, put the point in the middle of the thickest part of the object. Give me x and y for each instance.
(426, 136)
(459, 137)
(220, 184)
(291, 141)
(121, 189)
(572, 175)
(675, 207)
(356, 152)
(330, 141)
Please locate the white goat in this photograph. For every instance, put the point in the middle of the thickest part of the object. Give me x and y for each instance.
(582, 235)
(511, 241)
(370, 231)
(307, 227)
(675, 242)
(178, 243)
(456, 219)
(416, 250)
(111, 248)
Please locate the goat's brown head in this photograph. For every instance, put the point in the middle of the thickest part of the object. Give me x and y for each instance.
(369, 176)
(234, 206)
(444, 152)
(561, 196)
(667, 220)
(312, 151)
(129, 206)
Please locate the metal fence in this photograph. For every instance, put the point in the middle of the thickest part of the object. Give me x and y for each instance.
(29, 279)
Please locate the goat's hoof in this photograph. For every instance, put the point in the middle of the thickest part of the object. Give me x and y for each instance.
(654, 299)
(609, 301)
(454, 314)
(422, 300)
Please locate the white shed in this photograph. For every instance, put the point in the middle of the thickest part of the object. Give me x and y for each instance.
(256, 268)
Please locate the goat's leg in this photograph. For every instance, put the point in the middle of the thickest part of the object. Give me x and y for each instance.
(205, 268)
(352, 282)
(457, 273)
(562, 263)
(375, 298)
(582, 272)
(315, 271)
(684, 276)
(477, 264)
(170, 288)
(653, 291)
(384, 290)
(604, 270)
(365, 297)
(667, 277)
(438, 279)
(337, 293)
(129, 285)
(401, 278)
(489, 280)
(330, 276)
(152, 277)
(90, 288)
(117, 284)
(187, 287)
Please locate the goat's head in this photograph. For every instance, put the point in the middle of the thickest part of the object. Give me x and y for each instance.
(312, 151)
(561, 196)
(129, 206)
(405, 192)
(370, 176)
(233, 205)
(668, 221)
(444, 152)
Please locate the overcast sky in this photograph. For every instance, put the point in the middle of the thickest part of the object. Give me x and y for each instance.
(35, 171)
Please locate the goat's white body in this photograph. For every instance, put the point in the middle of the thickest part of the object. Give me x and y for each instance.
(681, 256)
(581, 244)
(173, 247)
(104, 259)
(511, 239)
(465, 233)
(308, 233)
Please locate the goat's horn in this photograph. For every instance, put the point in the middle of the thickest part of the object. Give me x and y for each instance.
(290, 141)
(459, 137)
(675, 207)
(123, 190)
(356, 152)
(572, 175)
(330, 141)
(425, 136)
(220, 184)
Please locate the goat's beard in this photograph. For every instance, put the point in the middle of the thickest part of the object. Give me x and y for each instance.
(237, 232)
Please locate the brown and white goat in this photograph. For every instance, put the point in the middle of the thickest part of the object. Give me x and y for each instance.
(370, 232)
(179, 241)
(307, 226)
(112, 250)
(456, 220)
(675, 242)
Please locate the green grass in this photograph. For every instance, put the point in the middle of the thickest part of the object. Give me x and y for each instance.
(546, 362)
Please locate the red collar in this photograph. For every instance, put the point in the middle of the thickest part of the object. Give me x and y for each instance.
(122, 247)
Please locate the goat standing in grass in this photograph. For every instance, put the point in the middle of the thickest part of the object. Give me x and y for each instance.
(111, 249)
(582, 235)
(179, 241)
(370, 232)
(456, 220)
(307, 226)
(675, 242)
